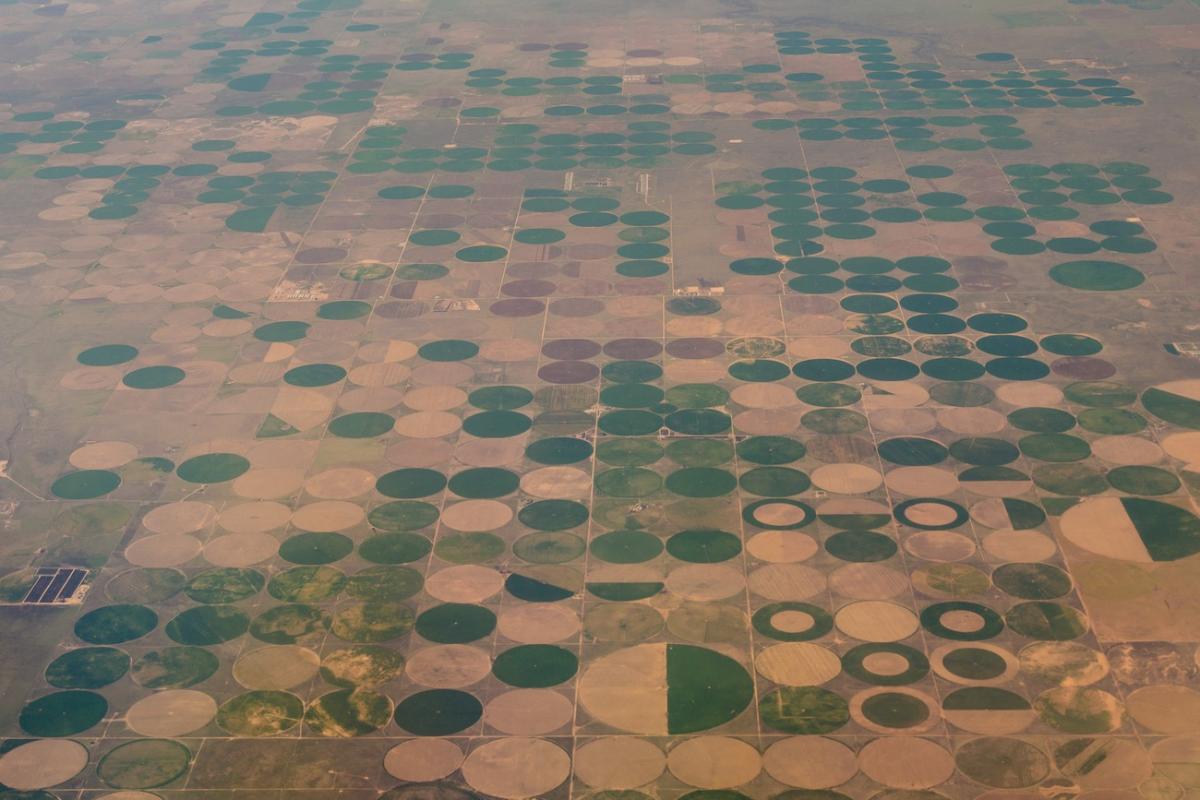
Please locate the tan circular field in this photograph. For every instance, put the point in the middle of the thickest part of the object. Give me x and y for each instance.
(714, 762)
(163, 550)
(906, 762)
(876, 621)
(529, 712)
(810, 762)
(42, 763)
(476, 515)
(240, 549)
(172, 712)
(449, 666)
(276, 667)
(798, 664)
(782, 547)
(187, 516)
(468, 583)
(538, 623)
(519, 767)
(421, 760)
(619, 763)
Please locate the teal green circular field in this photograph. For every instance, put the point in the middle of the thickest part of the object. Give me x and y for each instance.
(626, 547)
(156, 377)
(212, 468)
(481, 253)
(63, 713)
(361, 425)
(410, 483)
(861, 546)
(343, 309)
(774, 481)
(553, 515)
(107, 355)
(455, 623)
(559, 450)
(770, 450)
(535, 666)
(448, 350)
(85, 484)
(287, 331)
(703, 546)
(497, 424)
(315, 548)
(438, 712)
(207, 625)
(395, 548)
(312, 375)
(87, 668)
(500, 398)
(1097, 276)
(115, 624)
(701, 482)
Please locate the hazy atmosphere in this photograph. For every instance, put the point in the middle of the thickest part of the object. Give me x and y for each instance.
(423, 400)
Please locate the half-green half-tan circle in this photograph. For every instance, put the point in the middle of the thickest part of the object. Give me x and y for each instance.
(665, 689)
(1133, 529)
